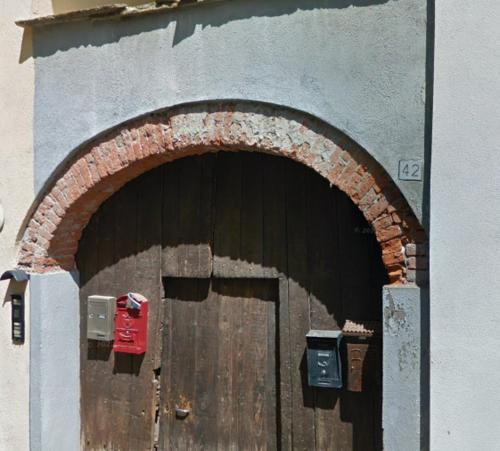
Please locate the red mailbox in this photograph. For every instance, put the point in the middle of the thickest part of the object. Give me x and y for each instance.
(131, 324)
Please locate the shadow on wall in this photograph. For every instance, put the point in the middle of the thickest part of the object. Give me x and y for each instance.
(186, 20)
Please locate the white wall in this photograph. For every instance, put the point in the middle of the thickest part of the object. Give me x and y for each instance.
(16, 194)
(465, 228)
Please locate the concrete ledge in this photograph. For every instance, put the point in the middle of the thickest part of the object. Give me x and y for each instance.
(114, 11)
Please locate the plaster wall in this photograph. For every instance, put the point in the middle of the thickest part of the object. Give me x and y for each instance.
(16, 195)
(405, 407)
(465, 233)
(55, 363)
(357, 64)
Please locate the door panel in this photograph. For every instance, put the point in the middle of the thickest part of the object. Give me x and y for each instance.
(221, 348)
(179, 235)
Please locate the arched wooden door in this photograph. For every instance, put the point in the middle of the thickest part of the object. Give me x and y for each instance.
(240, 255)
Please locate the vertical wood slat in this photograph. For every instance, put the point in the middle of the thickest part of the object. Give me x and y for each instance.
(187, 222)
(179, 390)
(207, 368)
(227, 233)
(230, 394)
(251, 234)
(226, 404)
(275, 265)
(124, 232)
(146, 280)
(310, 301)
(112, 375)
(88, 263)
(303, 435)
(326, 304)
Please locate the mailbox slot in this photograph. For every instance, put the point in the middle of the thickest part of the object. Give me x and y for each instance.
(324, 368)
(100, 318)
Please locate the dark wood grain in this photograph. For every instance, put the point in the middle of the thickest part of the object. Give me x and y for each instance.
(303, 435)
(249, 252)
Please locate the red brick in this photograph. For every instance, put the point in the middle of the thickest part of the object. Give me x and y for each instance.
(388, 233)
(345, 177)
(367, 200)
(392, 246)
(377, 209)
(383, 222)
(392, 259)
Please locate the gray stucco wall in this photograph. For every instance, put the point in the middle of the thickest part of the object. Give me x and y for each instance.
(359, 65)
(405, 363)
(54, 362)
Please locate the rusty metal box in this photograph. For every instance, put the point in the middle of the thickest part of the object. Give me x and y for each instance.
(100, 317)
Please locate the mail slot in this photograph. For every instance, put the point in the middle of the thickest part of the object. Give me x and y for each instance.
(100, 318)
(324, 368)
(131, 324)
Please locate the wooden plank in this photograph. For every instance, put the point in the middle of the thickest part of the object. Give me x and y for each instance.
(325, 301)
(146, 280)
(165, 409)
(256, 377)
(207, 372)
(179, 390)
(275, 265)
(269, 385)
(226, 389)
(188, 251)
(246, 390)
(303, 435)
(112, 376)
(274, 216)
(284, 358)
(227, 233)
(87, 263)
(122, 383)
(170, 220)
(251, 246)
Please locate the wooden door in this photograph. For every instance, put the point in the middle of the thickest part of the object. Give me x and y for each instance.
(220, 348)
(252, 238)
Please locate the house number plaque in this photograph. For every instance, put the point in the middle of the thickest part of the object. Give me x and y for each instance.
(410, 170)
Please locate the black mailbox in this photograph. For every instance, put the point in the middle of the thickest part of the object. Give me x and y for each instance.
(324, 368)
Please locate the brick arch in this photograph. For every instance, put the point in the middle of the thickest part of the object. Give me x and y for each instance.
(103, 166)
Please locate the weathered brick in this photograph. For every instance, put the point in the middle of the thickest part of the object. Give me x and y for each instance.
(376, 209)
(396, 275)
(367, 200)
(388, 233)
(383, 222)
(392, 246)
(392, 259)
(345, 177)
(105, 166)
